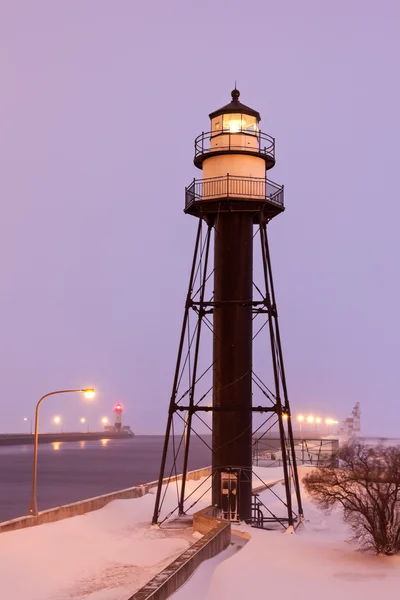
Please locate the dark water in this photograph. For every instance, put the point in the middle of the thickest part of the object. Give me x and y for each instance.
(72, 471)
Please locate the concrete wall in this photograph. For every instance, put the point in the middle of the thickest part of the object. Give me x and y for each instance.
(215, 540)
(85, 506)
(205, 520)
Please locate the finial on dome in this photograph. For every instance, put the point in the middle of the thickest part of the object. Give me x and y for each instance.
(235, 94)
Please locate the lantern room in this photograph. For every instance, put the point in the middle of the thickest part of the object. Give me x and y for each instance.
(235, 117)
(234, 157)
(235, 130)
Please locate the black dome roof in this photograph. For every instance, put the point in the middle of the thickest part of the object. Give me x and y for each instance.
(236, 107)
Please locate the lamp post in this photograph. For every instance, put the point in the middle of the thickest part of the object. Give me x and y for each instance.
(318, 422)
(300, 419)
(57, 421)
(310, 421)
(30, 421)
(33, 508)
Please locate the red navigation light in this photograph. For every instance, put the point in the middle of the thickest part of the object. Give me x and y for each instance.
(118, 407)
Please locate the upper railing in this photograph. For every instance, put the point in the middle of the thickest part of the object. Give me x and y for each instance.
(238, 141)
(234, 187)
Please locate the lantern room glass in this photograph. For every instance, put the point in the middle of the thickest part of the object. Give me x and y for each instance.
(234, 123)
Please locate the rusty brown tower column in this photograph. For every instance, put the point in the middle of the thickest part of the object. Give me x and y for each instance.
(232, 197)
(232, 357)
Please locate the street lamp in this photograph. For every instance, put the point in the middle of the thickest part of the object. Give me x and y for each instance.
(104, 420)
(83, 421)
(30, 420)
(310, 421)
(57, 421)
(300, 419)
(33, 508)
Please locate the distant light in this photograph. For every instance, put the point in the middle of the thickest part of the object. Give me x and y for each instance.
(89, 393)
(57, 419)
(104, 420)
(310, 419)
(318, 420)
(118, 407)
(329, 421)
(83, 420)
(300, 418)
(25, 418)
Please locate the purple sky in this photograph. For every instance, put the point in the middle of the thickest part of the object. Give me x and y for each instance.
(100, 103)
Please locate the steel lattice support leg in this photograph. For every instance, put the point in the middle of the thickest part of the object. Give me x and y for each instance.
(283, 379)
(176, 376)
(194, 372)
(279, 378)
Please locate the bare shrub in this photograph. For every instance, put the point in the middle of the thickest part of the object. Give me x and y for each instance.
(365, 482)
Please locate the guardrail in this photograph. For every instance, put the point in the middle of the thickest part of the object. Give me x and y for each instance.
(233, 186)
(227, 141)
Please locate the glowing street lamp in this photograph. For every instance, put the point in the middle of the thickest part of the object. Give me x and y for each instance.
(89, 392)
(30, 420)
(300, 419)
(57, 421)
(104, 420)
(310, 420)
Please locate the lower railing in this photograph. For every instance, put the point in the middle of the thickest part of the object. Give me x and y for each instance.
(235, 187)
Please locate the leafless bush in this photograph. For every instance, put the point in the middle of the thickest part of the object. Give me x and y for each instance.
(365, 482)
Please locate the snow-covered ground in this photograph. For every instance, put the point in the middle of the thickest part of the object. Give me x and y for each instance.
(316, 562)
(110, 553)
(103, 555)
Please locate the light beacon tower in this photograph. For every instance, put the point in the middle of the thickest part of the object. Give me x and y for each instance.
(118, 416)
(234, 201)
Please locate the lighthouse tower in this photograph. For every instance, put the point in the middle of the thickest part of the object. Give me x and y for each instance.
(233, 201)
(118, 416)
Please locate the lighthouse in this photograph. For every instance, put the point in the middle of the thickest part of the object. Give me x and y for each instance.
(118, 416)
(234, 201)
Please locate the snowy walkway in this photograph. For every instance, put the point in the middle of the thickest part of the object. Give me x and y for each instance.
(315, 563)
(104, 555)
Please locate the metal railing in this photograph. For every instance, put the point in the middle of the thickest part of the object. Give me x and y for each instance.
(235, 187)
(226, 141)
